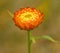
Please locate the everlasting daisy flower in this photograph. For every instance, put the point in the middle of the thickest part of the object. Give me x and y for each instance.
(28, 18)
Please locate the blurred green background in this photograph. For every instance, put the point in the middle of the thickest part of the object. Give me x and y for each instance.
(14, 40)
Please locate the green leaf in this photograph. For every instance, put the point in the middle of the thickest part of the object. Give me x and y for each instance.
(33, 40)
(46, 37)
(11, 14)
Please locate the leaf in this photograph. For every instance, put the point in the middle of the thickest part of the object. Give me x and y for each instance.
(47, 37)
(33, 40)
(11, 14)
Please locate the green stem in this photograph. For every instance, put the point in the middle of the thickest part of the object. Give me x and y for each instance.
(29, 45)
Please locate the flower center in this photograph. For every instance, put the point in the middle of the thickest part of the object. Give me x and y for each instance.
(28, 15)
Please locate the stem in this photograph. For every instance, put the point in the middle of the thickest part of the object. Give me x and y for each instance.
(29, 41)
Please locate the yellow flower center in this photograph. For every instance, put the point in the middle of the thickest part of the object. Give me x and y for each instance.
(27, 16)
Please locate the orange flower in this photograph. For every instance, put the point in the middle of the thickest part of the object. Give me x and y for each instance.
(28, 18)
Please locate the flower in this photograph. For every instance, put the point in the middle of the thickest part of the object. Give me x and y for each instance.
(28, 18)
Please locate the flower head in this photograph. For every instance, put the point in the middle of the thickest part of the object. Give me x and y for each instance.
(28, 18)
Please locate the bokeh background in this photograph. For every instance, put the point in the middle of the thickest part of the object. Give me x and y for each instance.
(14, 40)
